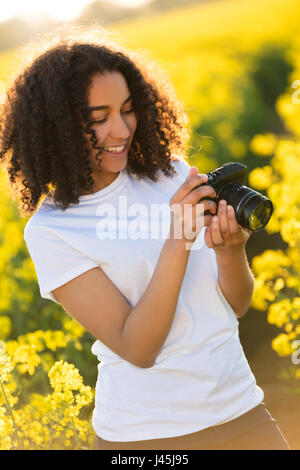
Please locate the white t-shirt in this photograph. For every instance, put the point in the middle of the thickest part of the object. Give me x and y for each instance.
(201, 376)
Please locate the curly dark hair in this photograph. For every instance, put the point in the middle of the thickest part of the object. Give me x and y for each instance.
(45, 116)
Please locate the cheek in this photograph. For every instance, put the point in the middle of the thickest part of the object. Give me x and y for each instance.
(99, 132)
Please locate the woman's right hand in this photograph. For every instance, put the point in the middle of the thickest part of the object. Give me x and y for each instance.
(188, 221)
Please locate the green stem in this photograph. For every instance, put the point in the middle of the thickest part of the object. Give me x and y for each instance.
(76, 434)
(53, 430)
(12, 416)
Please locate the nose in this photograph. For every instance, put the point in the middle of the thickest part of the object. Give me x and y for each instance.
(119, 129)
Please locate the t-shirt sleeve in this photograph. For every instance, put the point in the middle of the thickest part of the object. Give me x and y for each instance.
(181, 165)
(55, 261)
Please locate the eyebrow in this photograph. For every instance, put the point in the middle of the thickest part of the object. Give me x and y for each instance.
(96, 108)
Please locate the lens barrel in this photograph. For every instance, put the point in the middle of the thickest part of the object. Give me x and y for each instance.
(252, 209)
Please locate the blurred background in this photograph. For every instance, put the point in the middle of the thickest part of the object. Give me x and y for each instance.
(235, 64)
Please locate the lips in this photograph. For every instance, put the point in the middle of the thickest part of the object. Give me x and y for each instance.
(116, 154)
(114, 148)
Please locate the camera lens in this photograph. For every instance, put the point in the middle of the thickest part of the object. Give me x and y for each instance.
(252, 209)
(258, 213)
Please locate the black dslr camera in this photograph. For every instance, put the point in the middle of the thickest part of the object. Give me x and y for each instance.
(252, 210)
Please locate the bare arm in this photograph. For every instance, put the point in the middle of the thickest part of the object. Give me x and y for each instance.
(229, 239)
(149, 323)
(236, 280)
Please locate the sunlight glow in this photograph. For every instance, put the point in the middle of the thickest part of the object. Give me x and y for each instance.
(57, 9)
(129, 3)
(60, 10)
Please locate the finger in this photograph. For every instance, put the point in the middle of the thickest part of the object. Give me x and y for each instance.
(201, 207)
(207, 237)
(236, 230)
(233, 225)
(199, 195)
(194, 212)
(210, 206)
(223, 222)
(193, 218)
(248, 231)
(186, 187)
(215, 232)
(192, 180)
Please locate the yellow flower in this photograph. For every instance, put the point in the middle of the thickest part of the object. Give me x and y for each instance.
(6, 429)
(6, 365)
(55, 339)
(64, 377)
(85, 396)
(281, 345)
(279, 312)
(290, 232)
(263, 144)
(279, 284)
(261, 178)
(26, 359)
(5, 443)
(288, 327)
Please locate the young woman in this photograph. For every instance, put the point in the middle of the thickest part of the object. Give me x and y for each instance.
(87, 126)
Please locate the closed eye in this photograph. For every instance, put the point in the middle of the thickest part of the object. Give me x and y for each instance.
(125, 112)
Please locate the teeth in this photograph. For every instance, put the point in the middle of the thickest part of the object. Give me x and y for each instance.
(115, 149)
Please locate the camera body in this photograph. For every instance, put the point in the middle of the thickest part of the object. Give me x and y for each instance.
(252, 209)
(229, 173)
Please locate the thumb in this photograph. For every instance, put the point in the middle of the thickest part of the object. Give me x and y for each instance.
(193, 171)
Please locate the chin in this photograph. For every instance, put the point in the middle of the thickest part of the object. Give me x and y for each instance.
(116, 166)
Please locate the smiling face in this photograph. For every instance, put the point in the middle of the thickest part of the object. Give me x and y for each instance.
(114, 123)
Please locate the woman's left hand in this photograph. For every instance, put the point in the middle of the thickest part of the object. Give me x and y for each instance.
(225, 234)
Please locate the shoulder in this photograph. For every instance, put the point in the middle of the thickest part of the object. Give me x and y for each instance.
(38, 238)
(39, 226)
(31, 227)
(181, 165)
(45, 220)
